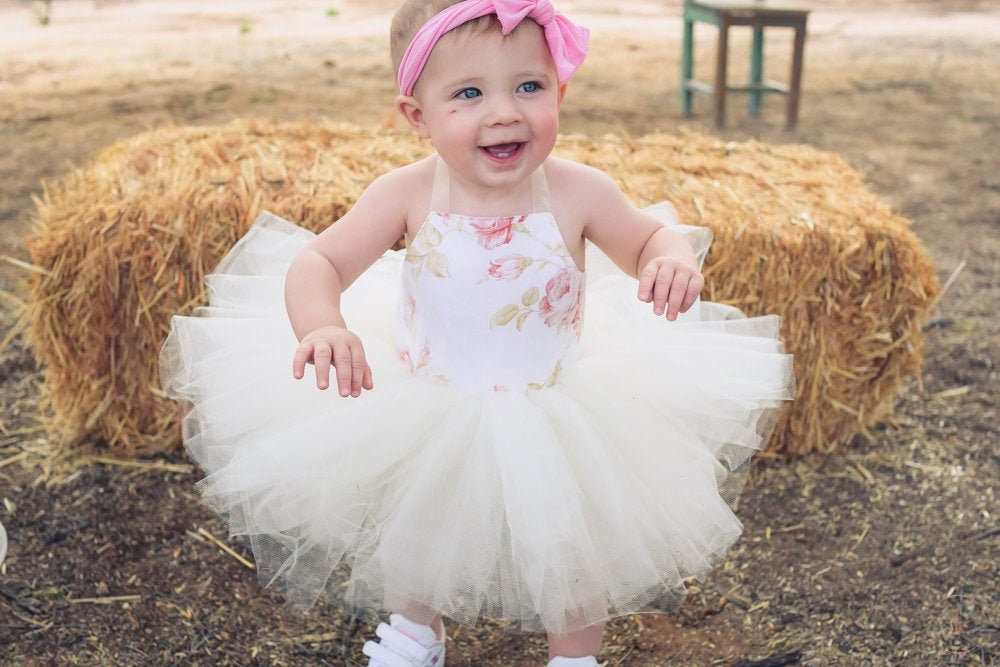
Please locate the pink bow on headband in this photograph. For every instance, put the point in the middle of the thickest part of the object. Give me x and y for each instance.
(567, 41)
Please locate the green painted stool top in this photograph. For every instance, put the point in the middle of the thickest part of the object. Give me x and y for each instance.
(743, 6)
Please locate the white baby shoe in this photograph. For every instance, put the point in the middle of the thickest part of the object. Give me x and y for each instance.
(405, 644)
(588, 661)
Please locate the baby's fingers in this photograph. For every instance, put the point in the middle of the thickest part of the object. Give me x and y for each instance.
(303, 355)
(684, 289)
(353, 371)
(647, 279)
(659, 285)
(671, 287)
(337, 347)
(694, 288)
(319, 355)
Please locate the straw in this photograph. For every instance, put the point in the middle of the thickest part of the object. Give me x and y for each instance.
(124, 243)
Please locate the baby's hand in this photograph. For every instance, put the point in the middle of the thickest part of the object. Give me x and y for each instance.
(338, 347)
(672, 285)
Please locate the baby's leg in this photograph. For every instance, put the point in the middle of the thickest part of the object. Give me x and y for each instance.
(579, 644)
(423, 615)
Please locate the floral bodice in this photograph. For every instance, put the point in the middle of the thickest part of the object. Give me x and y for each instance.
(490, 304)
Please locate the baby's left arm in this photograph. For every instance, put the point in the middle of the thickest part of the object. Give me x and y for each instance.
(639, 244)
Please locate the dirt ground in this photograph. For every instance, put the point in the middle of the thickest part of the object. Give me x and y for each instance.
(884, 553)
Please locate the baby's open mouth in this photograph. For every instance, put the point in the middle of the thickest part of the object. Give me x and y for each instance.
(504, 151)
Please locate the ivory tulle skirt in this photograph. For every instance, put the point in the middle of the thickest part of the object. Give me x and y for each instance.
(553, 508)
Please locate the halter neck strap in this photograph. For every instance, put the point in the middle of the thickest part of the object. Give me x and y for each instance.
(441, 191)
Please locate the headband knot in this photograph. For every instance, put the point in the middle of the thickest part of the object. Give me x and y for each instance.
(567, 41)
(544, 13)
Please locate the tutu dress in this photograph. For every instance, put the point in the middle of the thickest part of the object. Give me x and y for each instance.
(516, 460)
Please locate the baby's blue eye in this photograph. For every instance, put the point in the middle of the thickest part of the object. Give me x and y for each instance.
(468, 93)
(529, 87)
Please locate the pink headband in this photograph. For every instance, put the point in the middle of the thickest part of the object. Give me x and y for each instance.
(567, 42)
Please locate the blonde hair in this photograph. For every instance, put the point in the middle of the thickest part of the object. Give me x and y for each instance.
(412, 16)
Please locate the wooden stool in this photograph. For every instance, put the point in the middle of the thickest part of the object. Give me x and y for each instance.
(758, 14)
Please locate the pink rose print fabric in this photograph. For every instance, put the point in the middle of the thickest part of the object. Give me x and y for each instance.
(509, 268)
(562, 304)
(492, 304)
(495, 232)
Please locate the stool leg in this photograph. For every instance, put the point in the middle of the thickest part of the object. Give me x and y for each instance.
(687, 67)
(756, 71)
(721, 61)
(795, 79)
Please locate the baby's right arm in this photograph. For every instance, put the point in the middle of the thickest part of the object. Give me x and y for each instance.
(312, 298)
(327, 266)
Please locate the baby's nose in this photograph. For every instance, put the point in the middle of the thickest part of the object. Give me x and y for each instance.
(503, 111)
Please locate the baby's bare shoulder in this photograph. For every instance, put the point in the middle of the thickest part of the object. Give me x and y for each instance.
(407, 178)
(579, 187)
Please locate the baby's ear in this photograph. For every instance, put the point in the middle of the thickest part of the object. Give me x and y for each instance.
(414, 115)
(562, 91)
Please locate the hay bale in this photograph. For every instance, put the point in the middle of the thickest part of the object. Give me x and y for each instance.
(124, 244)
